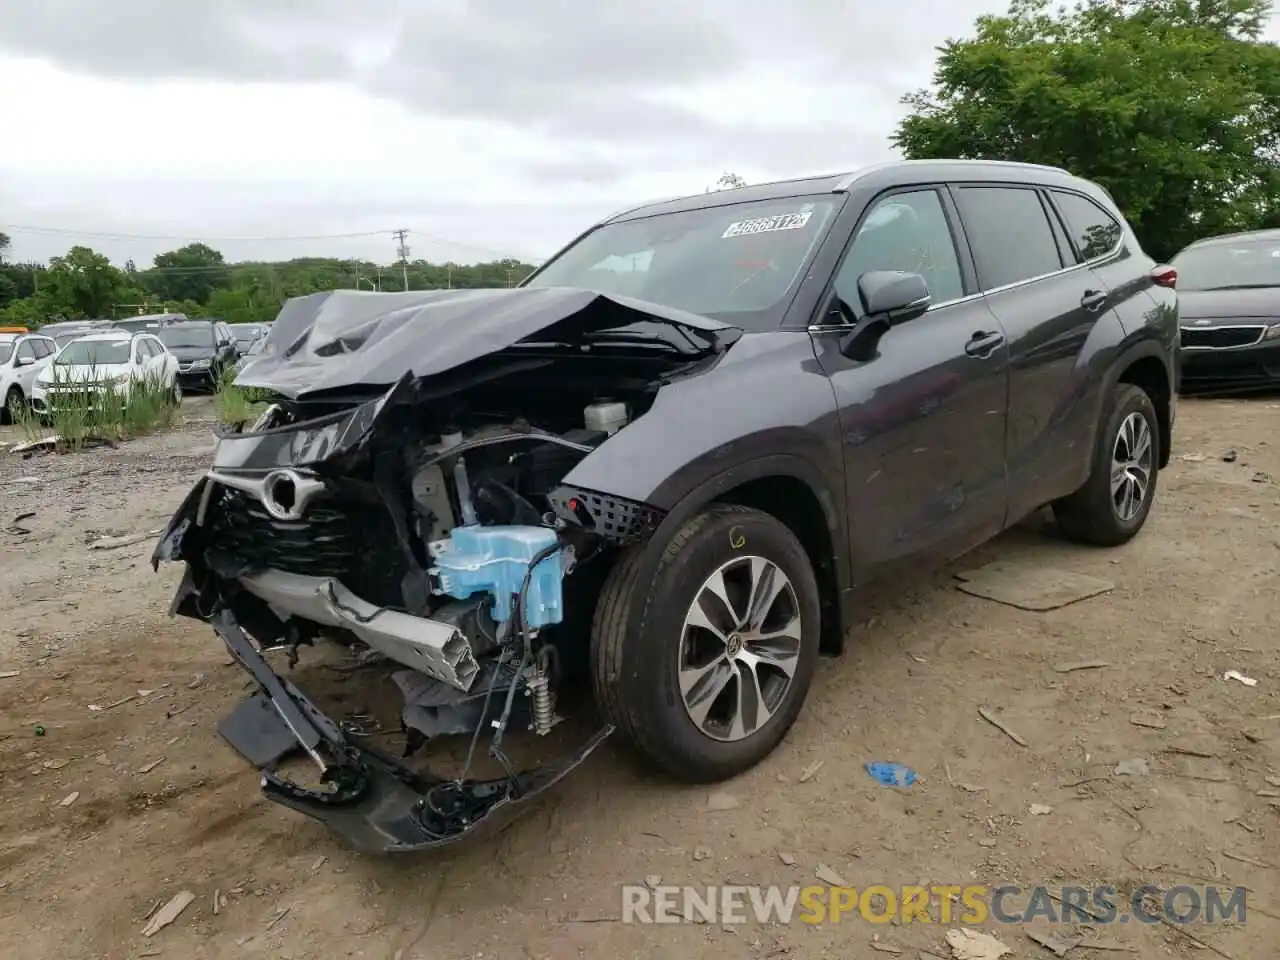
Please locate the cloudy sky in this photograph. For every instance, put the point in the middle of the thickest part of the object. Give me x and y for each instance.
(280, 128)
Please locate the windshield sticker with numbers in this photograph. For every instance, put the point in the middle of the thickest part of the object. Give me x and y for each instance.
(784, 221)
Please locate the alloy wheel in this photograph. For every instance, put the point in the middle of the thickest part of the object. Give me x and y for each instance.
(1132, 459)
(739, 648)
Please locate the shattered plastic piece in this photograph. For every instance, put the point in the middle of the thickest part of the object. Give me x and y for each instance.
(168, 913)
(1137, 767)
(891, 774)
(1237, 675)
(829, 876)
(721, 801)
(1040, 810)
(969, 944)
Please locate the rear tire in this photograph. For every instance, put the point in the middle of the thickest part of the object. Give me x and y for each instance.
(644, 645)
(1115, 501)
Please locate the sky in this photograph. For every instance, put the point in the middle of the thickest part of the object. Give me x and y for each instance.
(487, 128)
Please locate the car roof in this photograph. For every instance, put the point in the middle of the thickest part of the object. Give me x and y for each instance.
(878, 176)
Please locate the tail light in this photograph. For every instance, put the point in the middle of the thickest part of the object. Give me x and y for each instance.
(1165, 276)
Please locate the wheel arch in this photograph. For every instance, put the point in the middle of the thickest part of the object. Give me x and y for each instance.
(1144, 366)
(794, 492)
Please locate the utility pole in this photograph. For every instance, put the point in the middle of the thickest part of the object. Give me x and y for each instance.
(403, 252)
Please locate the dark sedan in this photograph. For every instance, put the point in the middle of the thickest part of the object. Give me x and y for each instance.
(1229, 292)
(204, 350)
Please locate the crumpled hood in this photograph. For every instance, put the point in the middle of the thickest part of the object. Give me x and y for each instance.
(348, 339)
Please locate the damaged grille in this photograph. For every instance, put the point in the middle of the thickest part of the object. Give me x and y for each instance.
(354, 543)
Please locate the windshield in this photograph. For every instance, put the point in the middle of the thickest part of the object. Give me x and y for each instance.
(6, 350)
(186, 336)
(737, 263)
(1223, 266)
(93, 353)
(63, 339)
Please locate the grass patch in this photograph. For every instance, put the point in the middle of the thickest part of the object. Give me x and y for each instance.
(237, 404)
(100, 408)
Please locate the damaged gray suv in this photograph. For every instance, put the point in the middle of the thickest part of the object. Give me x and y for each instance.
(670, 456)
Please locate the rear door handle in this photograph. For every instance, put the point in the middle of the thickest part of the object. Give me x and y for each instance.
(983, 344)
(1093, 300)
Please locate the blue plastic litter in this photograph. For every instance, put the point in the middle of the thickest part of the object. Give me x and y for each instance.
(494, 560)
(891, 774)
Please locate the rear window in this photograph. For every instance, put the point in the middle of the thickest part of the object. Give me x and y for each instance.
(6, 350)
(738, 263)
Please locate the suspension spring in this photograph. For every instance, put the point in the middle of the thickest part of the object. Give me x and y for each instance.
(543, 701)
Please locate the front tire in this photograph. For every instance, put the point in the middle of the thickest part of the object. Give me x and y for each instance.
(175, 395)
(1115, 501)
(704, 664)
(14, 406)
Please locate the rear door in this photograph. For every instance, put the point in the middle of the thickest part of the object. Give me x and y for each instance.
(923, 420)
(1048, 305)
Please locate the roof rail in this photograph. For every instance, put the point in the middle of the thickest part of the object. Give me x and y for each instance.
(851, 178)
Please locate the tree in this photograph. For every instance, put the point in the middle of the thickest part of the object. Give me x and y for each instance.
(1172, 105)
(192, 272)
(727, 181)
(81, 284)
(4, 246)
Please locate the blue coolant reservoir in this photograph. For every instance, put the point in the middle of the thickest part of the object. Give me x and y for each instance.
(494, 560)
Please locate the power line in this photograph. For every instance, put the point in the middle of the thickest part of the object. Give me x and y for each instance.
(101, 235)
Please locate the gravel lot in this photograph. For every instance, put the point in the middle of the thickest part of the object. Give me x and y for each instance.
(162, 805)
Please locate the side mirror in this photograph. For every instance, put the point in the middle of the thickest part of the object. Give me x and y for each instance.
(24, 361)
(893, 295)
(889, 297)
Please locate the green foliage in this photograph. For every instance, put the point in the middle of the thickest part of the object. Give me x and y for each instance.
(114, 412)
(237, 404)
(1172, 105)
(196, 280)
(191, 273)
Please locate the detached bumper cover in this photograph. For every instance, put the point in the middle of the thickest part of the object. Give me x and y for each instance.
(375, 804)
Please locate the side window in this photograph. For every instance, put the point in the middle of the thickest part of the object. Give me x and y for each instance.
(27, 350)
(41, 347)
(904, 231)
(1009, 233)
(149, 347)
(139, 351)
(1094, 231)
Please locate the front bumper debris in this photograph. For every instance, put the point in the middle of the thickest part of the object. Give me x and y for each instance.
(375, 804)
(436, 648)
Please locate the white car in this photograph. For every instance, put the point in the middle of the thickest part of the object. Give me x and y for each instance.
(115, 360)
(22, 357)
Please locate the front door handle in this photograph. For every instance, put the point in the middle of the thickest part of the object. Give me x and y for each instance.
(984, 343)
(1093, 300)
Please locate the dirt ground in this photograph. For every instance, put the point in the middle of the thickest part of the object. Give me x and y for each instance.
(163, 805)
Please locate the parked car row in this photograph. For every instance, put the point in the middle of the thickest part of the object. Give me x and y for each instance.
(40, 369)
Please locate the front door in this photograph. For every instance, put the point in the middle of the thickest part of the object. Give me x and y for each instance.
(923, 420)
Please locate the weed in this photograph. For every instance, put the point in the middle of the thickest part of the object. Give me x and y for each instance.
(237, 404)
(100, 406)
